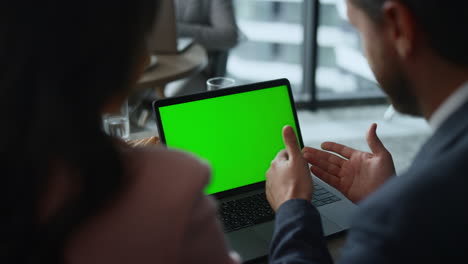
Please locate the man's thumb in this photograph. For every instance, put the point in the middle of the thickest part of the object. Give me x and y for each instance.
(373, 140)
(290, 140)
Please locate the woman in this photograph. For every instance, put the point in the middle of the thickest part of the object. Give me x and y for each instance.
(71, 194)
(212, 24)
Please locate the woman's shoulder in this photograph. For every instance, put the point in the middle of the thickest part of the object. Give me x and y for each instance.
(163, 189)
(163, 166)
(159, 157)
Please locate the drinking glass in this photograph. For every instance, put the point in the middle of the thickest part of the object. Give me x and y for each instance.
(117, 124)
(218, 83)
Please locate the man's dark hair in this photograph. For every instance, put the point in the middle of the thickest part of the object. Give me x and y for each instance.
(444, 23)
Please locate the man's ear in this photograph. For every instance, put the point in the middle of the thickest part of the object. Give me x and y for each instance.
(400, 26)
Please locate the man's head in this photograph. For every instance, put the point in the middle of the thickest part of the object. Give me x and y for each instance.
(400, 35)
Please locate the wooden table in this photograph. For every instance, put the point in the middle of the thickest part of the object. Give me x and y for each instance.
(174, 67)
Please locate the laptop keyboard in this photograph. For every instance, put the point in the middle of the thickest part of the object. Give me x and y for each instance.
(322, 196)
(255, 209)
(251, 210)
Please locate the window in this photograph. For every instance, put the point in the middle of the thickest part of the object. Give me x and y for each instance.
(280, 41)
(273, 43)
(342, 71)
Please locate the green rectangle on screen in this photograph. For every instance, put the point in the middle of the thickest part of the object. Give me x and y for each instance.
(238, 134)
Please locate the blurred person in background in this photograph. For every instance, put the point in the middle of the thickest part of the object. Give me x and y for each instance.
(212, 24)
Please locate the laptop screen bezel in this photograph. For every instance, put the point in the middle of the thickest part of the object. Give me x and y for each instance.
(224, 92)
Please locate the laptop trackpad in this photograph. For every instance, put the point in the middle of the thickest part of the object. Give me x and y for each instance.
(265, 231)
(247, 244)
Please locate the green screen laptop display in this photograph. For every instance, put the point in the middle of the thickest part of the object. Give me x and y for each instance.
(237, 134)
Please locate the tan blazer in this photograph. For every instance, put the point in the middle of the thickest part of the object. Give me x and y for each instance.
(162, 217)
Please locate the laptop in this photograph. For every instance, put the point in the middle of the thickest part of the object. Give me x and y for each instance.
(238, 131)
(164, 38)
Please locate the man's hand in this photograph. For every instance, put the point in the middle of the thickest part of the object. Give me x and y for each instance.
(288, 177)
(357, 174)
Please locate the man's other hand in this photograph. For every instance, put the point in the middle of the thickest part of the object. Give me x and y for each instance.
(288, 177)
(355, 173)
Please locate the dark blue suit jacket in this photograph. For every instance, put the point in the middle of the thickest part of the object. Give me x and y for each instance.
(419, 217)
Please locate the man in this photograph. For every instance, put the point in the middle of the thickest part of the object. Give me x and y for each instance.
(420, 57)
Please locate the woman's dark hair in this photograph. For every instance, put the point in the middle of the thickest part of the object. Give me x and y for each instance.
(60, 63)
(443, 22)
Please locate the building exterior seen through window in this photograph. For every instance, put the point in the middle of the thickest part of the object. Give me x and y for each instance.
(273, 43)
(274, 46)
(342, 70)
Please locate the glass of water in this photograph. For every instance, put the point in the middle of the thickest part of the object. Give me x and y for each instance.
(117, 124)
(219, 83)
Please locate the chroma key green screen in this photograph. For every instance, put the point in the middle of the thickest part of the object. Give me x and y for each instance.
(238, 134)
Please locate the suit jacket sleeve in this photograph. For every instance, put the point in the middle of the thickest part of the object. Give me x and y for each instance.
(376, 238)
(298, 236)
(401, 223)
